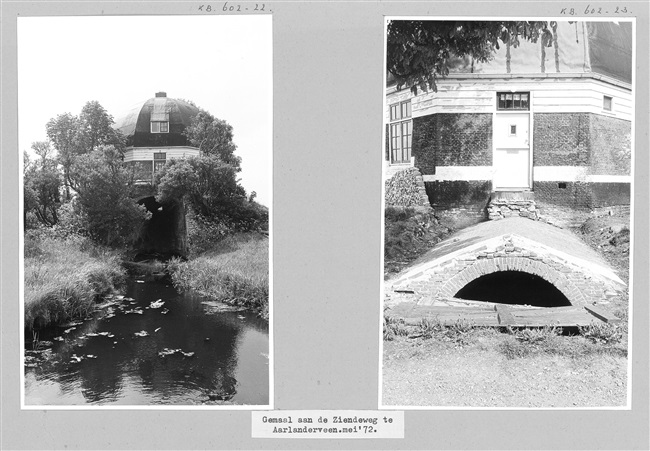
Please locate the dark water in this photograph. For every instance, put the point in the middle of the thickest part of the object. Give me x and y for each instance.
(191, 354)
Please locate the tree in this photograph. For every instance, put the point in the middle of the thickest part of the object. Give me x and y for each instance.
(97, 128)
(73, 136)
(213, 137)
(418, 51)
(42, 185)
(211, 189)
(104, 187)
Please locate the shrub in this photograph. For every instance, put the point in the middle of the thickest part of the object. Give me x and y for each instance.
(604, 333)
(394, 327)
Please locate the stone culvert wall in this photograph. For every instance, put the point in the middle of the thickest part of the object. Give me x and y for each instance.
(446, 280)
(406, 189)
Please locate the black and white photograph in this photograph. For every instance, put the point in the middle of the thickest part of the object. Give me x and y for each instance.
(508, 170)
(146, 147)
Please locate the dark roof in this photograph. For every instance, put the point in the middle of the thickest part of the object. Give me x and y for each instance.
(136, 123)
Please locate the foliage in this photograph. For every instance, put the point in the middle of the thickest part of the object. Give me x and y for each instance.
(104, 186)
(235, 272)
(394, 327)
(419, 52)
(73, 136)
(64, 277)
(42, 183)
(212, 190)
(214, 137)
(603, 333)
(458, 332)
(409, 232)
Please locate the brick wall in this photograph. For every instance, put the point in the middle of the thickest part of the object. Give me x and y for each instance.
(446, 139)
(561, 139)
(446, 280)
(611, 147)
(582, 139)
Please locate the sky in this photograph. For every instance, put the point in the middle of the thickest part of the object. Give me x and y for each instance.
(221, 63)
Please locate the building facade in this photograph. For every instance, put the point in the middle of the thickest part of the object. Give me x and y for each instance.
(154, 133)
(547, 128)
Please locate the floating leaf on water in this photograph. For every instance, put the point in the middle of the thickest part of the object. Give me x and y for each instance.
(110, 335)
(142, 333)
(157, 329)
(91, 334)
(187, 354)
(157, 304)
(104, 334)
(58, 338)
(67, 331)
(91, 356)
(164, 311)
(115, 342)
(75, 359)
(165, 352)
(140, 281)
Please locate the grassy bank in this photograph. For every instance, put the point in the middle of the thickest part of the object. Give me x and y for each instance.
(64, 278)
(234, 271)
(409, 233)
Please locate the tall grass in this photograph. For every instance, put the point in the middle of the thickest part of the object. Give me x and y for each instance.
(64, 277)
(235, 271)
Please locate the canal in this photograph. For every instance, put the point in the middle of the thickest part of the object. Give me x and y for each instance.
(151, 346)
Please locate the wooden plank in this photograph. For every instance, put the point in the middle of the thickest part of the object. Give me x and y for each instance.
(602, 314)
(504, 315)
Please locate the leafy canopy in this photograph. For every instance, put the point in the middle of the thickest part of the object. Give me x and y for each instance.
(418, 52)
(213, 137)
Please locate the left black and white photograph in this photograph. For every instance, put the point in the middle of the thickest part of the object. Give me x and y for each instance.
(146, 145)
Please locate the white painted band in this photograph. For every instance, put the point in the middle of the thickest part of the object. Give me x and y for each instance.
(574, 174)
(461, 173)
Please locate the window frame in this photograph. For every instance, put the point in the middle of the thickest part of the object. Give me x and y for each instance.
(400, 132)
(513, 99)
(158, 126)
(611, 103)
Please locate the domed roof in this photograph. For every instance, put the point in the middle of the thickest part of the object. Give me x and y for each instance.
(136, 123)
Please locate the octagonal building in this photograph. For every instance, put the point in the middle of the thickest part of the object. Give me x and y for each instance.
(154, 134)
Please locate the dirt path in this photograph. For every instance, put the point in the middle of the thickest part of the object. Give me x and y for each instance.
(429, 373)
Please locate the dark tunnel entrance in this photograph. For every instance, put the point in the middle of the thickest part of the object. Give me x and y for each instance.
(165, 234)
(514, 287)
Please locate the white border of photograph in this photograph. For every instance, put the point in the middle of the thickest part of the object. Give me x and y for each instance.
(628, 405)
(267, 173)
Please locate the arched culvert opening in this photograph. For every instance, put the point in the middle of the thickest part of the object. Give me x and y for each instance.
(165, 234)
(514, 287)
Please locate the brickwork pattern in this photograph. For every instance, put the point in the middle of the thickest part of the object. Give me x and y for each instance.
(452, 139)
(611, 145)
(446, 280)
(561, 139)
(600, 142)
(582, 195)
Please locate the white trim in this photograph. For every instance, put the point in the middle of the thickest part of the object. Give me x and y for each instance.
(575, 174)
(466, 173)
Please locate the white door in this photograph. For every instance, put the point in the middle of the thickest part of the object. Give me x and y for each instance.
(512, 151)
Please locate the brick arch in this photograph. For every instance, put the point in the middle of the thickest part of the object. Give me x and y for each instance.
(482, 267)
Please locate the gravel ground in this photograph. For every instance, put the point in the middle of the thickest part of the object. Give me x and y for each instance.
(428, 373)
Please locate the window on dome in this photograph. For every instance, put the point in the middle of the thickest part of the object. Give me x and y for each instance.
(159, 127)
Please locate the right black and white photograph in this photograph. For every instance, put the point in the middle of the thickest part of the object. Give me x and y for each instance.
(508, 170)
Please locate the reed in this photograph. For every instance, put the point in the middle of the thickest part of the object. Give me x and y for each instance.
(63, 278)
(234, 271)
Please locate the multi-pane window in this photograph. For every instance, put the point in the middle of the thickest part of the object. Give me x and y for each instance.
(513, 100)
(401, 132)
(159, 127)
(159, 160)
(607, 103)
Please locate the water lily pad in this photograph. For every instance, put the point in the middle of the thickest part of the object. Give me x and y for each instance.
(157, 304)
